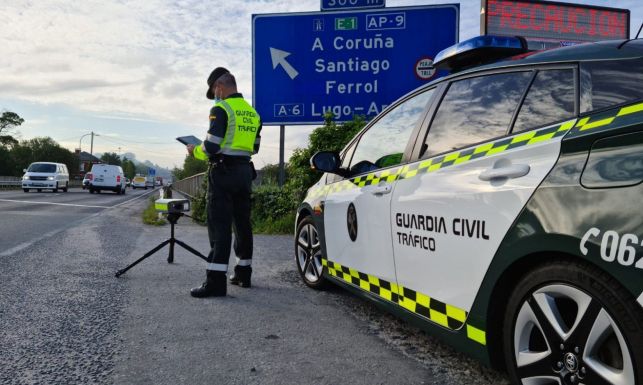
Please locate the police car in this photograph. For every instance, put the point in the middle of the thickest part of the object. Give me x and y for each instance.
(500, 208)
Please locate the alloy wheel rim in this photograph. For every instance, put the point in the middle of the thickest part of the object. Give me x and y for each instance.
(309, 253)
(564, 336)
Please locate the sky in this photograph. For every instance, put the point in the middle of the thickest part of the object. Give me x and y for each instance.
(134, 72)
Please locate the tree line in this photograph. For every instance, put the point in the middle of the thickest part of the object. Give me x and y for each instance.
(16, 155)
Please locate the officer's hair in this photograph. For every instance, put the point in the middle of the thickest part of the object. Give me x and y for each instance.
(227, 80)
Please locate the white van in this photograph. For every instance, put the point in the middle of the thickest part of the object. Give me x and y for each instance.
(107, 177)
(45, 175)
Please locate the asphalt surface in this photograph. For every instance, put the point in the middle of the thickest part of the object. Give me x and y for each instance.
(65, 318)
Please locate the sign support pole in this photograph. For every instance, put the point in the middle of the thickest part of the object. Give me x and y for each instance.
(282, 171)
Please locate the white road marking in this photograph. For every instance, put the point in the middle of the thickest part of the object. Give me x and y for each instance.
(76, 205)
(135, 198)
(53, 203)
(24, 245)
(27, 244)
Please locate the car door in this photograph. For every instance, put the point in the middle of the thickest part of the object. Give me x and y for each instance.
(357, 208)
(474, 176)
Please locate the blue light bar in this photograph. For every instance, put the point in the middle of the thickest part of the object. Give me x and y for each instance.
(479, 50)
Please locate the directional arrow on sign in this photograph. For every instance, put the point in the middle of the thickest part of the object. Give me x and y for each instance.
(279, 57)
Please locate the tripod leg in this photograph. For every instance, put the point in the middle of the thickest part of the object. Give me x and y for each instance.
(170, 256)
(154, 250)
(190, 249)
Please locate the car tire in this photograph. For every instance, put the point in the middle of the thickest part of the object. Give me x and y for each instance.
(39, 190)
(308, 254)
(603, 345)
(25, 189)
(56, 188)
(66, 188)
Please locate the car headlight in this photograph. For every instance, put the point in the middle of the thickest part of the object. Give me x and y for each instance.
(50, 178)
(25, 178)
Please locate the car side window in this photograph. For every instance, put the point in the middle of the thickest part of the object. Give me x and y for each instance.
(610, 82)
(474, 110)
(383, 144)
(550, 99)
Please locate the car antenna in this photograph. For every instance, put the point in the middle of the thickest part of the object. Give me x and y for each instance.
(629, 40)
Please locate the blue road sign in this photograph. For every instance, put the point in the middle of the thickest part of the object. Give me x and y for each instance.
(349, 63)
(151, 171)
(334, 5)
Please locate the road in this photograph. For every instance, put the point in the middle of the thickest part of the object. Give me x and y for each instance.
(65, 318)
(27, 217)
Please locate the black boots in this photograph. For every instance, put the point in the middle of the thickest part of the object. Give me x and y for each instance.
(241, 276)
(214, 286)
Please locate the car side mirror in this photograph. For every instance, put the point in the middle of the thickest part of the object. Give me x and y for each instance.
(326, 161)
(24, 170)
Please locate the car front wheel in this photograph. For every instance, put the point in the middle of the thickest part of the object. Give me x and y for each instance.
(571, 324)
(308, 254)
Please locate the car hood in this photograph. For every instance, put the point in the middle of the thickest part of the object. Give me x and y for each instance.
(29, 173)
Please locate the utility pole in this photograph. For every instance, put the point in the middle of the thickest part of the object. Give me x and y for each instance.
(91, 148)
(282, 171)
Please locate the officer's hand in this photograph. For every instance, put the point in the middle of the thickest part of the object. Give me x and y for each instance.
(190, 148)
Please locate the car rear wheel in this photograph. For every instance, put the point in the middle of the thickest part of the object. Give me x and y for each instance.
(308, 254)
(66, 187)
(571, 324)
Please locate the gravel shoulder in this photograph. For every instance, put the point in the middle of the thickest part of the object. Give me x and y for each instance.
(66, 319)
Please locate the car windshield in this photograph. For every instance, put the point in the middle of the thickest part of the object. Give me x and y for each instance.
(42, 167)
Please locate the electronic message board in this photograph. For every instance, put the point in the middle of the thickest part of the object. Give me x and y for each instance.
(548, 24)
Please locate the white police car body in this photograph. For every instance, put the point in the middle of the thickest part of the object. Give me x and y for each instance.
(499, 208)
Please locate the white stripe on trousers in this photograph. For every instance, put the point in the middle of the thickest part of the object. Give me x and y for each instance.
(217, 267)
(244, 262)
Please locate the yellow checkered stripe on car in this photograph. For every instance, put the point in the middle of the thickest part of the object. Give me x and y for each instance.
(418, 303)
(458, 157)
(431, 165)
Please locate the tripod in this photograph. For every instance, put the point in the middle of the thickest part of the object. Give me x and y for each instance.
(172, 218)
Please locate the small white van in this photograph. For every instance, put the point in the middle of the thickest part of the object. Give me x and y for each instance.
(45, 175)
(107, 177)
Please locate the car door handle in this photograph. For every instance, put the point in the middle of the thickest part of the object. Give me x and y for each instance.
(381, 189)
(509, 172)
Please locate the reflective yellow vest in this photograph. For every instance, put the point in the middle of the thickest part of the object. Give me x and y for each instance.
(241, 134)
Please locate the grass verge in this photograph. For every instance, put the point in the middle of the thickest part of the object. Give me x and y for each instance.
(151, 216)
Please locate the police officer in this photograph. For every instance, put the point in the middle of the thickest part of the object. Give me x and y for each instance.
(233, 136)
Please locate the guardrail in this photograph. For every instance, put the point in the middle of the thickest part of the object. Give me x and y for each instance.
(10, 182)
(13, 182)
(190, 186)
